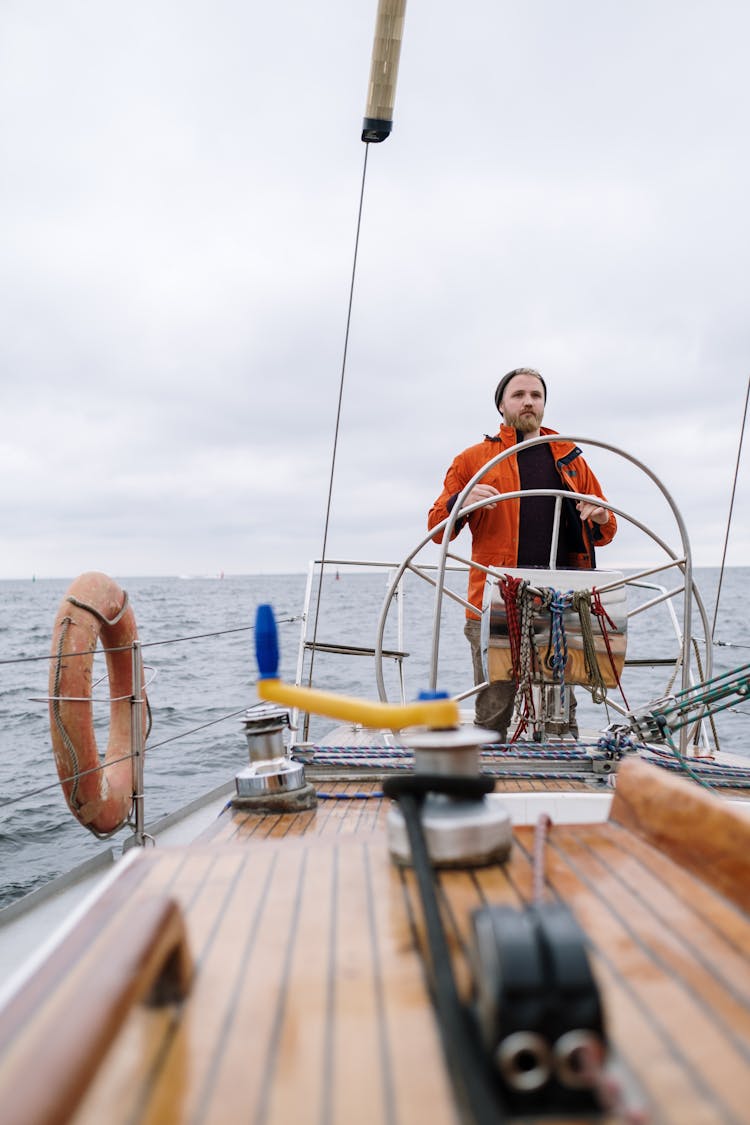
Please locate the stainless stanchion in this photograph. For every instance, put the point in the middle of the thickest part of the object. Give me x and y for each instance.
(136, 743)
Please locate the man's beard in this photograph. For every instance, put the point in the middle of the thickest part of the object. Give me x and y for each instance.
(526, 422)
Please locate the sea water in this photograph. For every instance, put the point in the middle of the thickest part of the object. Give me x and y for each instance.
(197, 636)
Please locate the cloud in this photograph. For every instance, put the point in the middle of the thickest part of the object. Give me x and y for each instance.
(180, 196)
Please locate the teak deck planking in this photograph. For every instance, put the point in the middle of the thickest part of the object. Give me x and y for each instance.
(309, 1000)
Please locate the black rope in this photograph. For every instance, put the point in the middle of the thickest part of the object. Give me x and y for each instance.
(466, 1059)
(336, 431)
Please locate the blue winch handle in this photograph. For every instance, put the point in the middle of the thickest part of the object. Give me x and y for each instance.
(437, 714)
(266, 643)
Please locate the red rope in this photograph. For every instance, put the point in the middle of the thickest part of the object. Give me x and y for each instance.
(601, 614)
(509, 589)
(542, 827)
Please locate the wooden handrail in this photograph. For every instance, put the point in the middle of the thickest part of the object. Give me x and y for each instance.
(697, 829)
(54, 1036)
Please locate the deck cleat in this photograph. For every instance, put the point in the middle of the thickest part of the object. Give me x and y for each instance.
(459, 831)
(272, 779)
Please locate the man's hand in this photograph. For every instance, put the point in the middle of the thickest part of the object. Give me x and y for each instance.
(481, 492)
(591, 511)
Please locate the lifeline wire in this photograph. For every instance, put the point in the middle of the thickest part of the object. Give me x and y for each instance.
(731, 506)
(152, 746)
(146, 644)
(336, 430)
(104, 766)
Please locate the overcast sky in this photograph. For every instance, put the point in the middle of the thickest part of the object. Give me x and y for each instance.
(566, 187)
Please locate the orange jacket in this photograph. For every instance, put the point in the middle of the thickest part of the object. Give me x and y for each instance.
(494, 531)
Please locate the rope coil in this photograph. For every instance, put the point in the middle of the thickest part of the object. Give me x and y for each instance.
(557, 652)
(582, 606)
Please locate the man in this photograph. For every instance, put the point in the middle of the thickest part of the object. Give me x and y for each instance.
(518, 533)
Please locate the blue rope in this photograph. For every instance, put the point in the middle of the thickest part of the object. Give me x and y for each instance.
(726, 781)
(382, 752)
(493, 757)
(617, 743)
(349, 796)
(559, 603)
(499, 753)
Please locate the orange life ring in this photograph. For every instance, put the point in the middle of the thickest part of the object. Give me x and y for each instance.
(93, 607)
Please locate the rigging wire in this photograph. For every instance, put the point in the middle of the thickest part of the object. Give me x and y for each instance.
(5, 803)
(106, 765)
(336, 429)
(145, 644)
(731, 506)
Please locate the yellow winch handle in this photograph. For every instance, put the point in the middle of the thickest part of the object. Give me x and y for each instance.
(435, 713)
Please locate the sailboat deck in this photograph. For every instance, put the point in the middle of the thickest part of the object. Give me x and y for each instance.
(310, 1001)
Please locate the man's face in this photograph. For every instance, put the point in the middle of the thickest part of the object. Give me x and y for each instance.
(523, 403)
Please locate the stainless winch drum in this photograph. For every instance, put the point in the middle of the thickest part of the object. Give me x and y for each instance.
(496, 654)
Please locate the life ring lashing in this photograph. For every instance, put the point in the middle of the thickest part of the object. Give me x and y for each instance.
(99, 794)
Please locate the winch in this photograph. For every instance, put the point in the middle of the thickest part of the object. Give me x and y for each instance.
(460, 830)
(273, 778)
(463, 825)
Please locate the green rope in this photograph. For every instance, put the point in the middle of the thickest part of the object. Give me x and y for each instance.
(582, 606)
(684, 765)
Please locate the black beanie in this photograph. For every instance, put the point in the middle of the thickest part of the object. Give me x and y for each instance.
(507, 378)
